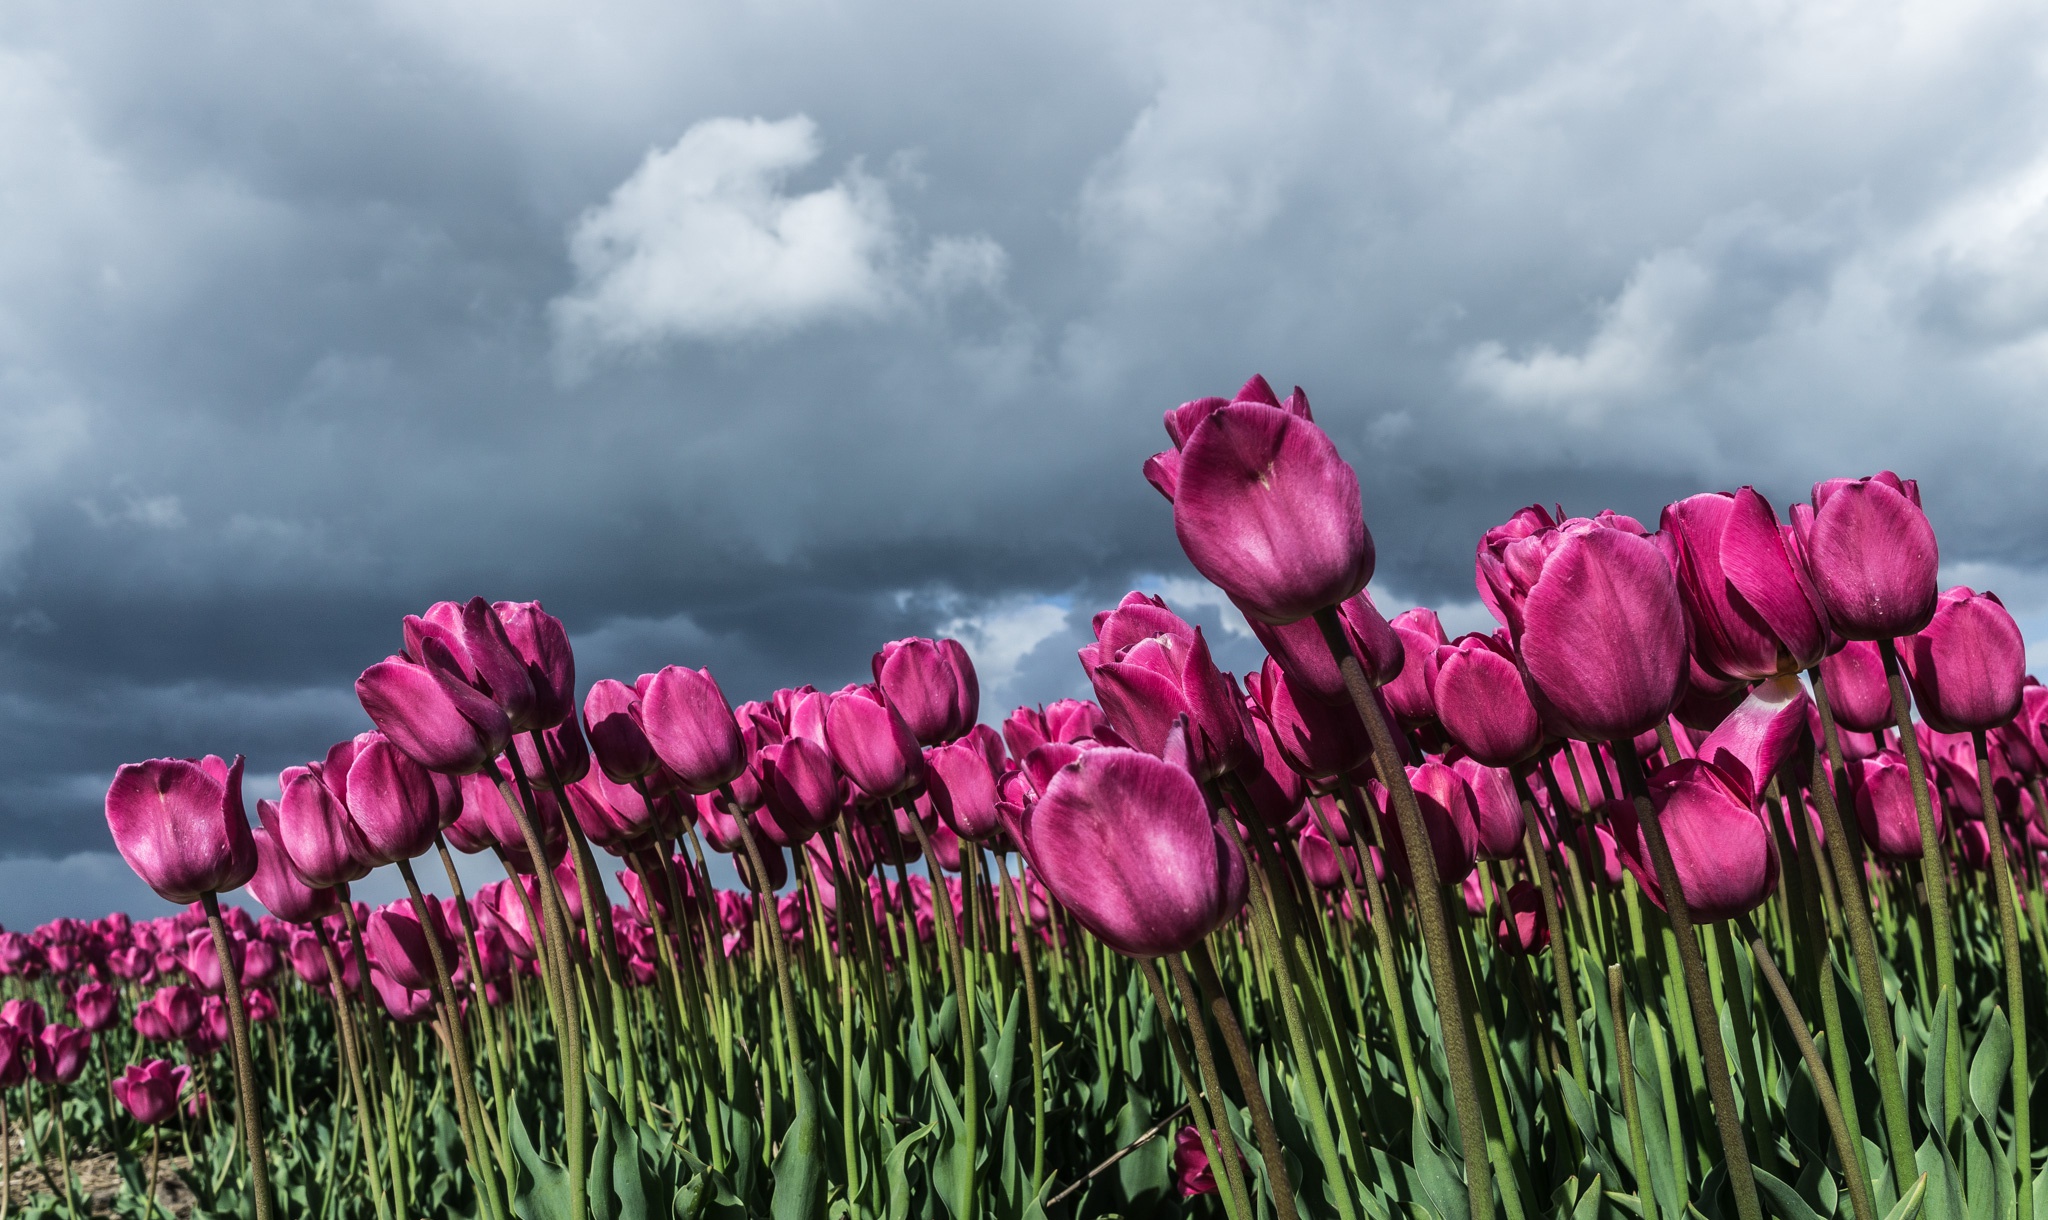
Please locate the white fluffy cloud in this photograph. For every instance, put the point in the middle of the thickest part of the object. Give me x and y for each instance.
(706, 241)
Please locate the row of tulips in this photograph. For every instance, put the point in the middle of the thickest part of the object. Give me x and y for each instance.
(1656, 902)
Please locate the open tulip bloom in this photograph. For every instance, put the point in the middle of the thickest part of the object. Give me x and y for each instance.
(1623, 907)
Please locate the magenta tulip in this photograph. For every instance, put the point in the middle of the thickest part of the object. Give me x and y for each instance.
(179, 823)
(1302, 652)
(397, 945)
(406, 1005)
(1482, 702)
(1125, 841)
(277, 884)
(932, 684)
(310, 821)
(1858, 693)
(1885, 808)
(1151, 669)
(963, 789)
(1754, 613)
(1600, 627)
(469, 639)
(802, 786)
(1752, 744)
(1720, 849)
(1448, 816)
(1412, 695)
(542, 645)
(1870, 554)
(61, 1054)
(397, 804)
(1191, 1169)
(170, 1015)
(1519, 923)
(1066, 720)
(96, 1006)
(1496, 808)
(1267, 510)
(149, 1091)
(622, 750)
(1317, 739)
(870, 742)
(1321, 864)
(1968, 666)
(17, 1053)
(434, 714)
(691, 727)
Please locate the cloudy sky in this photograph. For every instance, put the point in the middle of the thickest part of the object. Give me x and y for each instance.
(753, 335)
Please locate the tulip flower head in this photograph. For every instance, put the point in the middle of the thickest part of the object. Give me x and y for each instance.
(1754, 613)
(932, 685)
(1151, 669)
(1720, 849)
(1968, 666)
(1870, 554)
(1263, 505)
(149, 1091)
(690, 725)
(179, 823)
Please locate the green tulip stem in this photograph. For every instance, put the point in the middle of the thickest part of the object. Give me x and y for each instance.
(503, 1142)
(1830, 1102)
(1208, 1125)
(1428, 895)
(1844, 852)
(1553, 916)
(556, 951)
(2015, 982)
(245, 1067)
(1822, 964)
(1706, 1022)
(1019, 905)
(468, 1108)
(1631, 1106)
(1218, 1007)
(970, 1055)
(1382, 932)
(1934, 874)
(347, 1034)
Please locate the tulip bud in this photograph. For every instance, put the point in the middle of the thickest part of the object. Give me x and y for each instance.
(310, 821)
(870, 742)
(1482, 702)
(1412, 695)
(1870, 554)
(691, 727)
(1968, 666)
(179, 823)
(542, 644)
(1496, 809)
(406, 1005)
(963, 789)
(398, 948)
(1267, 510)
(1754, 613)
(1125, 841)
(61, 1054)
(433, 714)
(1445, 802)
(1885, 809)
(932, 684)
(149, 1091)
(1720, 849)
(615, 737)
(1520, 924)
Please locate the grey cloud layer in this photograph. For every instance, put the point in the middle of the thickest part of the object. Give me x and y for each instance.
(283, 349)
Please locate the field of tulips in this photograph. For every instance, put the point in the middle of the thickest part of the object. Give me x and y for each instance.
(1702, 889)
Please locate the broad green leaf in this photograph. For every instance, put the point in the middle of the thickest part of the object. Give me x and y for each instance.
(1784, 1200)
(898, 1177)
(1991, 1067)
(1908, 1207)
(800, 1163)
(1441, 1182)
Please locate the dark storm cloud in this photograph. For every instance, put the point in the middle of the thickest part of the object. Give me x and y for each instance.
(310, 316)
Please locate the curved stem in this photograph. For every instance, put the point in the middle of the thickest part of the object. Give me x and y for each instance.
(245, 1067)
(1225, 1016)
(1429, 908)
(1934, 870)
(344, 1027)
(1561, 928)
(1706, 1022)
(1843, 847)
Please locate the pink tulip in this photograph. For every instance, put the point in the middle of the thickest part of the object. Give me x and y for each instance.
(1320, 861)
(1150, 669)
(61, 1054)
(308, 961)
(963, 789)
(932, 684)
(541, 643)
(1264, 506)
(96, 1006)
(1412, 695)
(1125, 841)
(1871, 555)
(871, 743)
(406, 1005)
(1885, 809)
(1317, 739)
(17, 1053)
(149, 1091)
(397, 945)
(1191, 1169)
(1598, 622)
(1448, 816)
(1754, 613)
(1482, 702)
(1720, 849)
(1757, 738)
(397, 804)
(179, 824)
(310, 820)
(277, 884)
(691, 727)
(1496, 808)
(172, 1014)
(469, 638)
(1519, 923)
(1858, 693)
(1305, 656)
(485, 814)
(562, 751)
(1968, 667)
(622, 750)
(432, 711)
(1066, 720)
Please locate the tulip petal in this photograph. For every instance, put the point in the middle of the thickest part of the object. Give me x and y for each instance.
(1603, 637)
